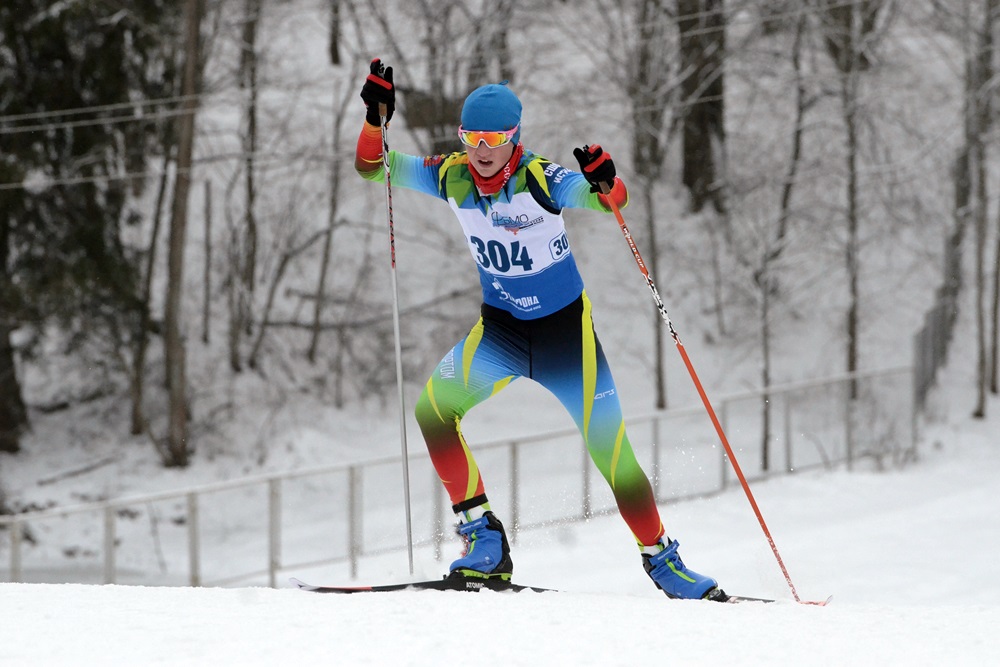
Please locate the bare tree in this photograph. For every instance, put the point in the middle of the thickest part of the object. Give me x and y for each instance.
(764, 274)
(335, 35)
(13, 414)
(177, 447)
(849, 32)
(995, 334)
(346, 97)
(137, 379)
(701, 24)
(978, 109)
(431, 99)
(243, 254)
(651, 88)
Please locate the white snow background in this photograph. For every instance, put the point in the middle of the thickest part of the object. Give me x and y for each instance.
(909, 555)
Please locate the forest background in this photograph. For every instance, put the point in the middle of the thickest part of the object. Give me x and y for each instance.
(186, 252)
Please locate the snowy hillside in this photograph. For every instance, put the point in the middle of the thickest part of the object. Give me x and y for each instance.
(910, 558)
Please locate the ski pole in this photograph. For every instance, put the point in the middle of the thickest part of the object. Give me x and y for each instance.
(383, 112)
(606, 190)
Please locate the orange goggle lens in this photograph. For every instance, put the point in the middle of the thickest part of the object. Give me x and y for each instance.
(493, 139)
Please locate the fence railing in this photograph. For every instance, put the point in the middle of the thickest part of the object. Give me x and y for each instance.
(254, 529)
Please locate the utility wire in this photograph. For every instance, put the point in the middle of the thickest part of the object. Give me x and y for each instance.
(39, 115)
(118, 106)
(165, 114)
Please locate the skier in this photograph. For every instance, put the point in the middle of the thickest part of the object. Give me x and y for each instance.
(535, 318)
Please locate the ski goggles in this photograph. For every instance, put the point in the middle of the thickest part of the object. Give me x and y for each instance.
(473, 138)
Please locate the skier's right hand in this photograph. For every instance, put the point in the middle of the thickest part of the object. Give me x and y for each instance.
(596, 166)
(378, 89)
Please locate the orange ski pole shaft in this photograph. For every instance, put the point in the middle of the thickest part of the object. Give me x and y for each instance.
(606, 190)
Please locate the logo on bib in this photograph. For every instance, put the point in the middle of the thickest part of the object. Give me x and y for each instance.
(514, 224)
(525, 303)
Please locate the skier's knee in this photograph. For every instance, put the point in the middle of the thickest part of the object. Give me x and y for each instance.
(427, 413)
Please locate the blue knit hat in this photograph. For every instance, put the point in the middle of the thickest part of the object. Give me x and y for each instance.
(492, 107)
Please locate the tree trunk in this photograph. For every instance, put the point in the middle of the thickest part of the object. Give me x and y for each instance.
(648, 90)
(331, 227)
(995, 334)
(979, 221)
(658, 328)
(849, 80)
(206, 294)
(992, 17)
(765, 277)
(138, 379)
(245, 253)
(13, 415)
(249, 79)
(334, 46)
(703, 50)
(177, 449)
(853, 224)
(981, 111)
(977, 126)
(765, 342)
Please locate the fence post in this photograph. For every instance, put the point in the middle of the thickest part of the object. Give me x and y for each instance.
(656, 458)
(913, 421)
(848, 427)
(515, 509)
(274, 531)
(354, 526)
(15, 551)
(109, 545)
(723, 462)
(587, 508)
(789, 465)
(437, 493)
(194, 548)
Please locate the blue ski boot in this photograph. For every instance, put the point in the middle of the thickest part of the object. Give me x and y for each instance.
(671, 576)
(487, 554)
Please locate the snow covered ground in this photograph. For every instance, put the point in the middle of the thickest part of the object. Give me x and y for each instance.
(910, 557)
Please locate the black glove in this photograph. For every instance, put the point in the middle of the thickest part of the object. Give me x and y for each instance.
(596, 166)
(378, 89)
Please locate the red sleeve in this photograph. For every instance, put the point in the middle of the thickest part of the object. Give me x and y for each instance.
(618, 194)
(368, 156)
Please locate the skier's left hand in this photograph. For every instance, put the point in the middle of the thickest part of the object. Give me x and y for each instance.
(596, 166)
(379, 90)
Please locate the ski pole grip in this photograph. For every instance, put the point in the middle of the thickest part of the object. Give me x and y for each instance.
(383, 110)
(605, 188)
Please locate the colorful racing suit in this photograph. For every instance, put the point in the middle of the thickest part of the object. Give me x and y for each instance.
(535, 322)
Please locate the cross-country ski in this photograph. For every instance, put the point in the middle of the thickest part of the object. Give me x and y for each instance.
(475, 585)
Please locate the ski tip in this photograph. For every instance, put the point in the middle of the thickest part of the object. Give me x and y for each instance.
(718, 595)
(298, 583)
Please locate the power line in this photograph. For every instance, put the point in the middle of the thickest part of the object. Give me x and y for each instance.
(727, 15)
(56, 113)
(264, 160)
(169, 113)
(91, 122)
(118, 106)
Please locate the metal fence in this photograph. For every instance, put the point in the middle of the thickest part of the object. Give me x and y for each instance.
(253, 530)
